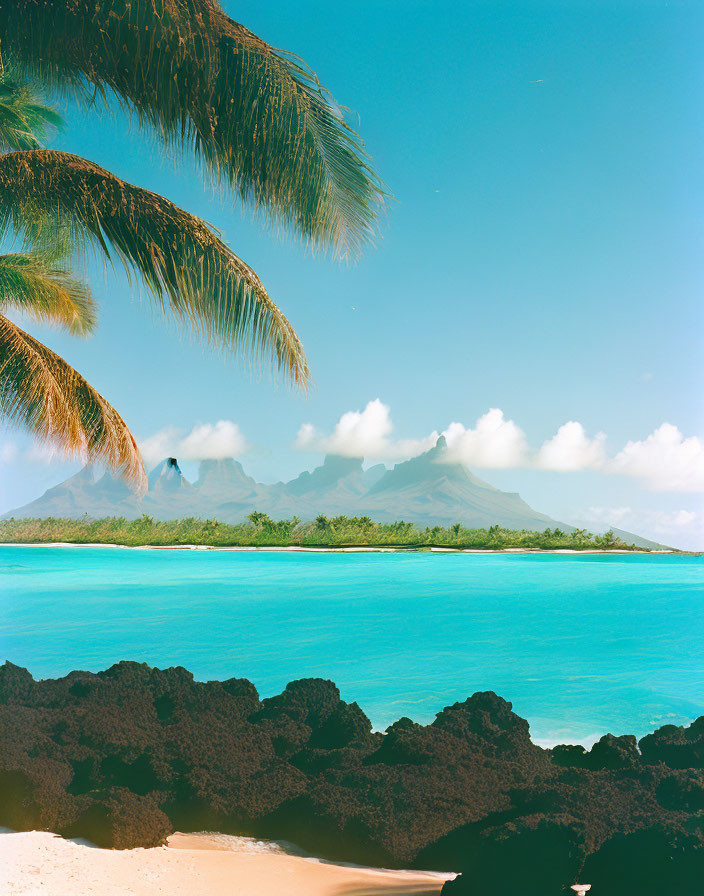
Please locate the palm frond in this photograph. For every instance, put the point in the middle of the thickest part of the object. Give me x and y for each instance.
(187, 267)
(38, 286)
(25, 121)
(257, 116)
(43, 393)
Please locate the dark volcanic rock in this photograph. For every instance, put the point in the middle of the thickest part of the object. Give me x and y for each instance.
(608, 752)
(527, 857)
(125, 756)
(652, 860)
(676, 746)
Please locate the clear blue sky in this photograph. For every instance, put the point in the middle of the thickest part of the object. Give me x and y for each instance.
(543, 254)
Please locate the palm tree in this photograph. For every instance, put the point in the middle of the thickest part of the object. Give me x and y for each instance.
(256, 117)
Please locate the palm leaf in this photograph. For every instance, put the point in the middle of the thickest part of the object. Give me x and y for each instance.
(40, 391)
(258, 117)
(187, 267)
(37, 286)
(25, 122)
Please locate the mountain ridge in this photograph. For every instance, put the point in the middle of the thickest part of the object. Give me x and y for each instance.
(426, 490)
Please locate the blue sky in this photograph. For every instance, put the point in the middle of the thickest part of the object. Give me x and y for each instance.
(542, 256)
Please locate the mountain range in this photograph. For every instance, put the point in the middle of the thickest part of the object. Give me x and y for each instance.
(426, 490)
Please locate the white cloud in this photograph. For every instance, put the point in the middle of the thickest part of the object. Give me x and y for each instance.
(306, 437)
(665, 460)
(683, 527)
(206, 441)
(366, 433)
(570, 449)
(9, 452)
(494, 442)
(213, 442)
(160, 445)
(362, 433)
(662, 521)
(605, 517)
(678, 519)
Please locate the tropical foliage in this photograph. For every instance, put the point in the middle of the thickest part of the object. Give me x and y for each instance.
(182, 261)
(261, 531)
(256, 117)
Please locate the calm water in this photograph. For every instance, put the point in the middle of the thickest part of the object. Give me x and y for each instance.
(580, 645)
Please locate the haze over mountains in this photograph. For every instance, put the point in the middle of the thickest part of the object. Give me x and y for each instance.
(425, 490)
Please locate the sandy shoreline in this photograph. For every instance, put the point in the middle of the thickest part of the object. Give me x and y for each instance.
(316, 550)
(37, 862)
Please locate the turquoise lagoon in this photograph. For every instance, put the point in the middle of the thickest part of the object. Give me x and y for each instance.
(580, 645)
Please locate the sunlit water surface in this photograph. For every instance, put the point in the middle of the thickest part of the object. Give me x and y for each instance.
(581, 645)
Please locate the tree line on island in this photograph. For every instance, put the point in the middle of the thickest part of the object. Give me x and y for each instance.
(259, 530)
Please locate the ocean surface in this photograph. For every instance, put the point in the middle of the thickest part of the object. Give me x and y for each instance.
(580, 645)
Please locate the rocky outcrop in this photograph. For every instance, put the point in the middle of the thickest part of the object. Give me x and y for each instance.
(125, 756)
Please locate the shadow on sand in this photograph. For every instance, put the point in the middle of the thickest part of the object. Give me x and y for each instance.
(426, 888)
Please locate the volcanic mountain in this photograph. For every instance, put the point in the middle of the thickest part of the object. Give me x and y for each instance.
(428, 488)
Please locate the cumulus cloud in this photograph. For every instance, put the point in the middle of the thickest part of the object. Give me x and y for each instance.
(665, 460)
(494, 442)
(571, 449)
(366, 433)
(206, 441)
(160, 445)
(356, 434)
(213, 442)
(663, 524)
(306, 438)
(677, 519)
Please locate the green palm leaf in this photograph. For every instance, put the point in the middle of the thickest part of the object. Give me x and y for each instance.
(187, 267)
(39, 390)
(258, 117)
(39, 287)
(25, 122)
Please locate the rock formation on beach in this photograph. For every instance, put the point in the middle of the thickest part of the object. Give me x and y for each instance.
(126, 756)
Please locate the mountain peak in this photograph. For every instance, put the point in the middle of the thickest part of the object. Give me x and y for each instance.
(427, 469)
(342, 464)
(166, 475)
(335, 467)
(223, 476)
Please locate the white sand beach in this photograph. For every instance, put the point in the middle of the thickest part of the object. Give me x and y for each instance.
(377, 549)
(41, 864)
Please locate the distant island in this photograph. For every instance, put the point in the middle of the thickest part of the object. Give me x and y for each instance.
(337, 502)
(337, 533)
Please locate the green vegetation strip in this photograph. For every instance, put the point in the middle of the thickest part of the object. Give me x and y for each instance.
(261, 531)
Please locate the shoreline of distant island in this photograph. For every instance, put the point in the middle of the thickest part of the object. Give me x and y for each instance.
(435, 493)
(347, 549)
(340, 534)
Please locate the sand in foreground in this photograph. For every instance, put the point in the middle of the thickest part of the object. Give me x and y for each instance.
(42, 864)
